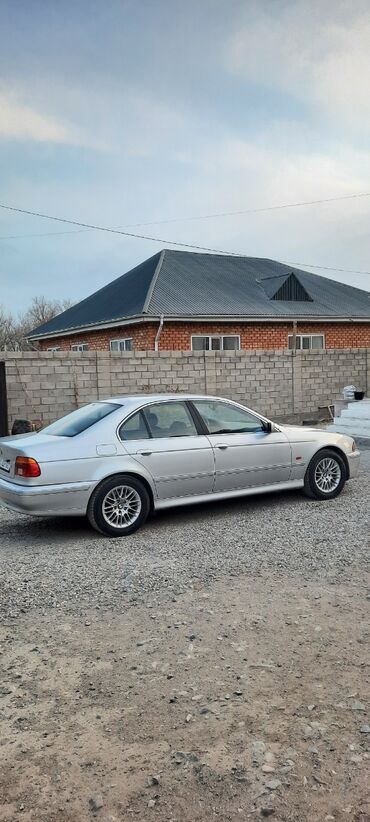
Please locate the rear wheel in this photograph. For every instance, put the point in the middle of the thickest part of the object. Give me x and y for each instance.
(118, 506)
(325, 475)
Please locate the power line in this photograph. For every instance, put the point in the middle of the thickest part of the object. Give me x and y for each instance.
(171, 242)
(184, 219)
(117, 231)
(326, 267)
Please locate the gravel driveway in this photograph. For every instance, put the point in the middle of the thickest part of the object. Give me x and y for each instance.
(214, 665)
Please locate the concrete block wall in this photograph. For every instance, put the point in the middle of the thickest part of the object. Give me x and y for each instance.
(43, 386)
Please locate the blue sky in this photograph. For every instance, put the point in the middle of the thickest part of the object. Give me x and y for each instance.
(137, 111)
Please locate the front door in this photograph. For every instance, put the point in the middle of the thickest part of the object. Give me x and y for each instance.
(164, 438)
(246, 455)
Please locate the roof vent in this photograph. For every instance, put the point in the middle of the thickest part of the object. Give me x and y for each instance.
(292, 290)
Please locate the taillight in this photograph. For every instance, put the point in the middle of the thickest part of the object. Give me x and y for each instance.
(27, 467)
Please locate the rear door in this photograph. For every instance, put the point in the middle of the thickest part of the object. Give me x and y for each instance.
(164, 438)
(246, 455)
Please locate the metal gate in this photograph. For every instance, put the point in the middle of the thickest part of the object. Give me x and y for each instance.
(4, 431)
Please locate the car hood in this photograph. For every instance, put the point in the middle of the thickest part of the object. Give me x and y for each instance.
(302, 433)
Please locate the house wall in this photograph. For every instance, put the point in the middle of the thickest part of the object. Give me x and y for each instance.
(177, 336)
(43, 386)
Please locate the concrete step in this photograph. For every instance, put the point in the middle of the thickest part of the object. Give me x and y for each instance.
(354, 428)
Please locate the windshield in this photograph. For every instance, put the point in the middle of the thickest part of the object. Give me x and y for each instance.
(80, 420)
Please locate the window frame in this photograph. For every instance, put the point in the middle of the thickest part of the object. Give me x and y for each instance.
(78, 349)
(121, 340)
(54, 348)
(202, 422)
(310, 336)
(196, 418)
(140, 412)
(215, 336)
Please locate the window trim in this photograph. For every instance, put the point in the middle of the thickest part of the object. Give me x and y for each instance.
(120, 340)
(301, 335)
(213, 336)
(192, 411)
(262, 420)
(76, 347)
(146, 426)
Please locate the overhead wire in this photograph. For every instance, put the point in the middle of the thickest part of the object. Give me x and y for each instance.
(125, 233)
(192, 218)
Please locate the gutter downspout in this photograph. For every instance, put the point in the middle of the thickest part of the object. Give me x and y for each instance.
(158, 334)
(294, 341)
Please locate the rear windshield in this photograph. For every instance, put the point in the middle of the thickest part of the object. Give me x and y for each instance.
(79, 420)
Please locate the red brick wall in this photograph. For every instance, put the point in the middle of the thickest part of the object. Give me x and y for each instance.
(177, 336)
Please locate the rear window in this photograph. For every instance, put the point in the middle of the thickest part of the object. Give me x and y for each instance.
(80, 420)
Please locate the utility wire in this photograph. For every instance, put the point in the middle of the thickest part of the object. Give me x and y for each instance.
(118, 231)
(182, 245)
(189, 219)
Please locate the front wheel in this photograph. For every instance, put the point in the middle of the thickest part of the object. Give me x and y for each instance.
(325, 475)
(118, 506)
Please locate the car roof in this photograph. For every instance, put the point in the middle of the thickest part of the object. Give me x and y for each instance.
(138, 399)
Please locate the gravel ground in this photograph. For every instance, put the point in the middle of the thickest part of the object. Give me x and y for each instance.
(63, 563)
(212, 666)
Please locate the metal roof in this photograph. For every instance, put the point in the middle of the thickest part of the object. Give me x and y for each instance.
(186, 284)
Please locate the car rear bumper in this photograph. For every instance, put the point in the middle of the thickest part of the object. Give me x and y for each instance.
(353, 463)
(40, 500)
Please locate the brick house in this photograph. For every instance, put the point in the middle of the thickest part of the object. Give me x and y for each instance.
(179, 300)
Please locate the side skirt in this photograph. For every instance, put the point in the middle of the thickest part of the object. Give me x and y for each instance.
(211, 497)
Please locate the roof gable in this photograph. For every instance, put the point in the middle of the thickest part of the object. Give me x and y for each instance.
(286, 288)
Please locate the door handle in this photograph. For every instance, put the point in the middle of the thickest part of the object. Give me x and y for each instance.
(145, 453)
(221, 446)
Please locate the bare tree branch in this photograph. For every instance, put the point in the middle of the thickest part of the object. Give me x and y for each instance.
(14, 331)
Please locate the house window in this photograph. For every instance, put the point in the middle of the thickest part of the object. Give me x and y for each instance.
(55, 348)
(80, 347)
(124, 344)
(216, 343)
(306, 342)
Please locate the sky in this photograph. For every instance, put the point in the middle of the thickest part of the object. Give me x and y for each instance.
(142, 111)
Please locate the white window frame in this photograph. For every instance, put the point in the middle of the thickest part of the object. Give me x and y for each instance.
(212, 337)
(80, 347)
(310, 336)
(55, 348)
(120, 340)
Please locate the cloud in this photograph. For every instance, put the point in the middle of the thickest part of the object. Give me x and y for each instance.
(19, 121)
(317, 52)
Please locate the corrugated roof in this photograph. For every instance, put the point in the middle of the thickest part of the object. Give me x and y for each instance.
(120, 299)
(186, 284)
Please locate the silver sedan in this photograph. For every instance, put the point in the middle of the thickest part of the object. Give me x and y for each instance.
(119, 459)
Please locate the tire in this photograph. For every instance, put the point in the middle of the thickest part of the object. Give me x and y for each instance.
(118, 506)
(327, 468)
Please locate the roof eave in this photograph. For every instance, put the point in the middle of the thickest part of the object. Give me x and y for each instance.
(139, 318)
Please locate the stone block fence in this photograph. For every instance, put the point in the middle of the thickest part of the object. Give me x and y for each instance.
(42, 386)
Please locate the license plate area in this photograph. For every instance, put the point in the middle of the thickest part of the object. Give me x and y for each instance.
(5, 465)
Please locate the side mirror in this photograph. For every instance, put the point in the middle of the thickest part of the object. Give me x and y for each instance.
(267, 427)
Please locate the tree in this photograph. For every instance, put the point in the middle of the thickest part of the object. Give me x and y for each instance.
(14, 331)
(8, 333)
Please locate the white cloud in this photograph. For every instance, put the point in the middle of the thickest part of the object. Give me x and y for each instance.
(318, 52)
(19, 121)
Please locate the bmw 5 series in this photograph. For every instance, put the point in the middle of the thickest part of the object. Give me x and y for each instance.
(117, 460)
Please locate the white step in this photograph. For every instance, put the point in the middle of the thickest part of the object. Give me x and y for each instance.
(355, 428)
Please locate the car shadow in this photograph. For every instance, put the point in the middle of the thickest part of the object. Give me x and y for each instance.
(24, 529)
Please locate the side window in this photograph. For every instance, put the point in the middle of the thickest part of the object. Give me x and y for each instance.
(222, 418)
(134, 429)
(170, 419)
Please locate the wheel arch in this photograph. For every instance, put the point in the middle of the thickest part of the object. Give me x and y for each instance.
(132, 474)
(336, 450)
